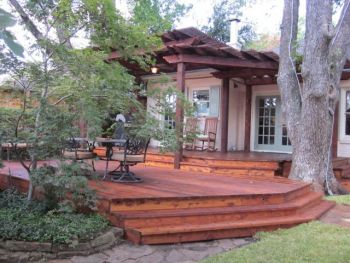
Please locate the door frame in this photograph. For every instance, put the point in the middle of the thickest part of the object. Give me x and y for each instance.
(253, 124)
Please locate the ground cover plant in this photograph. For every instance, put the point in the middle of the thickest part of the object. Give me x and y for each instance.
(31, 221)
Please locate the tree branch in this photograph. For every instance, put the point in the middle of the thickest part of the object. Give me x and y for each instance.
(62, 99)
(27, 21)
(287, 78)
(340, 43)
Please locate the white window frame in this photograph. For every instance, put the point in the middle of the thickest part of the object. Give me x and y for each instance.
(343, 138)
(191, 98)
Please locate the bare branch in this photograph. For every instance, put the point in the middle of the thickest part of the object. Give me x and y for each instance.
(340, 43)
(27, 21)
(287, 77)
(62, 99)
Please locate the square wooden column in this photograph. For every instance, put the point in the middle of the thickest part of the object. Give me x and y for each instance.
(225, 90)
(179, 115)
(248, 117)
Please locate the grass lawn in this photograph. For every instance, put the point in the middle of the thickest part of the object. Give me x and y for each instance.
(340, 199)
(314, 242)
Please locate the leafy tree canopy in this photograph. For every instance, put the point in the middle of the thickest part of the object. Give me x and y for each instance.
(219, 25)
(157, 16)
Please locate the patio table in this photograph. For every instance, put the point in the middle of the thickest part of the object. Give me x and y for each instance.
(109, 144)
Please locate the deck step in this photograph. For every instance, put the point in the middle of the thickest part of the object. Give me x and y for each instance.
(239, 228)
(137, 219)
(137, 204)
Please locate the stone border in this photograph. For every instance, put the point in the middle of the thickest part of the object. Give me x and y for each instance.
(23, 251)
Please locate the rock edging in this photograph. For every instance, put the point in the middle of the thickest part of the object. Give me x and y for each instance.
(23, 251)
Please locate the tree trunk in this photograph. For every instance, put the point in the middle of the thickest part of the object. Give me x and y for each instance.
(309, 107)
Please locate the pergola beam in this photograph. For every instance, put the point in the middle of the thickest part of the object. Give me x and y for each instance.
(243, 73)
(219, 61)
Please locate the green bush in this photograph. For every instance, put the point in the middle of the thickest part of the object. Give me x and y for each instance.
(65, 187)
(21, 220)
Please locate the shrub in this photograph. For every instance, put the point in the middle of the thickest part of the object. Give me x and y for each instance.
(65, 186)
(23, 220)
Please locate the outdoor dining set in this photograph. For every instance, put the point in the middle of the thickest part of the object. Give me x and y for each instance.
(127, 150)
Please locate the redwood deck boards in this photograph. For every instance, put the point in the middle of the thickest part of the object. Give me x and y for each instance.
(172, 206)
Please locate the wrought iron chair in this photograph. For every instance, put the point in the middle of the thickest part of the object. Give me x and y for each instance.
(190, 133)
(208, 136)
(79, 149)
(134, 152)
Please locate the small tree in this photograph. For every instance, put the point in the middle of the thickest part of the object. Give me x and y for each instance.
(66, 84)
(309, 106)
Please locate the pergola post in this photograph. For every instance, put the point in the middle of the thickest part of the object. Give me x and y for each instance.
(179, 116)
(225, 89)
(248, 116)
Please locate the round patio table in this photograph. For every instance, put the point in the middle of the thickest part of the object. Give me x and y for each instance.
(109, 144)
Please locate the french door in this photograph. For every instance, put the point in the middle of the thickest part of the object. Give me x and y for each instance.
(270, 130)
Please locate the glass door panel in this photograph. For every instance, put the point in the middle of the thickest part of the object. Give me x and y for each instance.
(271, 133)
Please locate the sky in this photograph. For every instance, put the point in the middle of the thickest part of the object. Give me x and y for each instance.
(264, 15)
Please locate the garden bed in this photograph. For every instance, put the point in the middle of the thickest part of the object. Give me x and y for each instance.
(29, 232)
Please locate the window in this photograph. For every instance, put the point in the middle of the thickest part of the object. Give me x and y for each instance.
(267, 118)
(347, 113)
(201, 102)
(170, 111)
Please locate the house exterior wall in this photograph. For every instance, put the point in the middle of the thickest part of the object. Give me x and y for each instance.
(236, 116)
(8, 100)
(204, 80)
(237, 93)
(343, 149)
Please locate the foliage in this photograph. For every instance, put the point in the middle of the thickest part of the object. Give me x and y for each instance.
(218, 25)
(305, 243)
(264, 42)
(164, 95)
(65, 187)
(157, 16)
(8, 20)
(23, 220)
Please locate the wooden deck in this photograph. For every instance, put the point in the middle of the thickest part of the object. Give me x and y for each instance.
(172, 206)
(231, 163)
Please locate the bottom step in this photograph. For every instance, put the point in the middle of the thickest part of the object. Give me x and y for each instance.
(243, 228)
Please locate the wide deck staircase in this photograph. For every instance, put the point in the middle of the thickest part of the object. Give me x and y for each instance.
(195, 218)
(231, 167)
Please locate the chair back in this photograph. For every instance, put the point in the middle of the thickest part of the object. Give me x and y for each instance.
(211, 124)
(136, 146)
(191, 125)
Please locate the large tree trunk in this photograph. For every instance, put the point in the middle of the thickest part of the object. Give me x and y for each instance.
(309, 107)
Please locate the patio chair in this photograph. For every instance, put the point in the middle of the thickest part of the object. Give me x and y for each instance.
(79, 149)
(208, 136)
(134, 152)
(190, 133)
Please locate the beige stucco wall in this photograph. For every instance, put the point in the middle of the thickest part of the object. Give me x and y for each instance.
(202, 80)
(237, 93)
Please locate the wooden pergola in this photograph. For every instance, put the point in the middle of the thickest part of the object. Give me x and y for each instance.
(190, 49)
